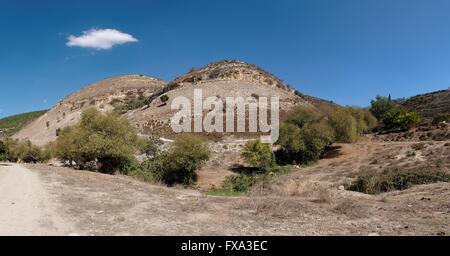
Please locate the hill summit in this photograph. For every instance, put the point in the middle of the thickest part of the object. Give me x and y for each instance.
(231, 70)
(100, 95)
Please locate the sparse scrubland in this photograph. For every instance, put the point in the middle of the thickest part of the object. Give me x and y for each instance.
(109, 144)
(343, 169)
(398, 179)
(14, 151)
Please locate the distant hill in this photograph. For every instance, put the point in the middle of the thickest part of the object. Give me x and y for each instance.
(429, 104)
(12, 124)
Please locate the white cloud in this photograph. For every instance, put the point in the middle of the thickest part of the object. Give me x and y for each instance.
(100, 39)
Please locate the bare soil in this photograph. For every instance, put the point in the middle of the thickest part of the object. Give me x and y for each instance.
(306, 201)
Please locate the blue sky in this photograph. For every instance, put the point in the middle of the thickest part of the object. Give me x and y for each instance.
(347, 51)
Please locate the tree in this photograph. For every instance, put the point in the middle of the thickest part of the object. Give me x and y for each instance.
(150, 147)
(25, 151)
(179, 164)
(393, 117)
(4, 151)
(405, 120)
(302, 115)
(370, 120)
(107, 140)
(317, 137)
(381, 106)
(342, 122)
(304, 145)
(258, 155)
(164, 99)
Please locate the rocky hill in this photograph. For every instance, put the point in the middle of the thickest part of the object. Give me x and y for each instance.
(102, 95)
(138, 98)
(429, 104)
(221, 79)
(231, 70)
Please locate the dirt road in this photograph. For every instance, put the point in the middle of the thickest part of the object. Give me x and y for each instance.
(26, 208)
(48, 200)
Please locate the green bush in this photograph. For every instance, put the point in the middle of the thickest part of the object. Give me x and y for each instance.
(30, 153)
(236, 185)
(317, 137)
(396, 179)
(130, 103)
(343, 123)
(303, 145)
(405, 120)
(8, 152)
(240, 183)
(4, 151)
(179, 164)
(382, 105)
(25, 151)
(308, 132)
(301, 115)
(365, 121)
(164, 99)
(258, 155)
(106, 140)
(393, 117)
(370, 120)
(150, 147)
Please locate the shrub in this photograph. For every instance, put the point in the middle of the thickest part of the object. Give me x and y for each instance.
(7, 153)
(258, 155)
(130, 103)
(301, 115)
(4, 151)
(240, 183)
(365, 121)
(235, 185)
(301, 146)
(405, 120)
(382, 105)
(343, 124)
(392, 116)
(370, 120)
(308, 132)
(317, 137)
(107, 140)
(397, 180)
(150, 147)
(29, 153)
(164, 99)
(24, 151)
(179, 164)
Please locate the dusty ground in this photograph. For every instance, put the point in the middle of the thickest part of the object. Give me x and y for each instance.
(304, 202)
(26, 208)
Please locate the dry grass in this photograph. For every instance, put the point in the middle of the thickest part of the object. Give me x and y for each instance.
(351, 208)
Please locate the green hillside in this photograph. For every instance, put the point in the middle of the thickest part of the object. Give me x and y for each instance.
(12, 124)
